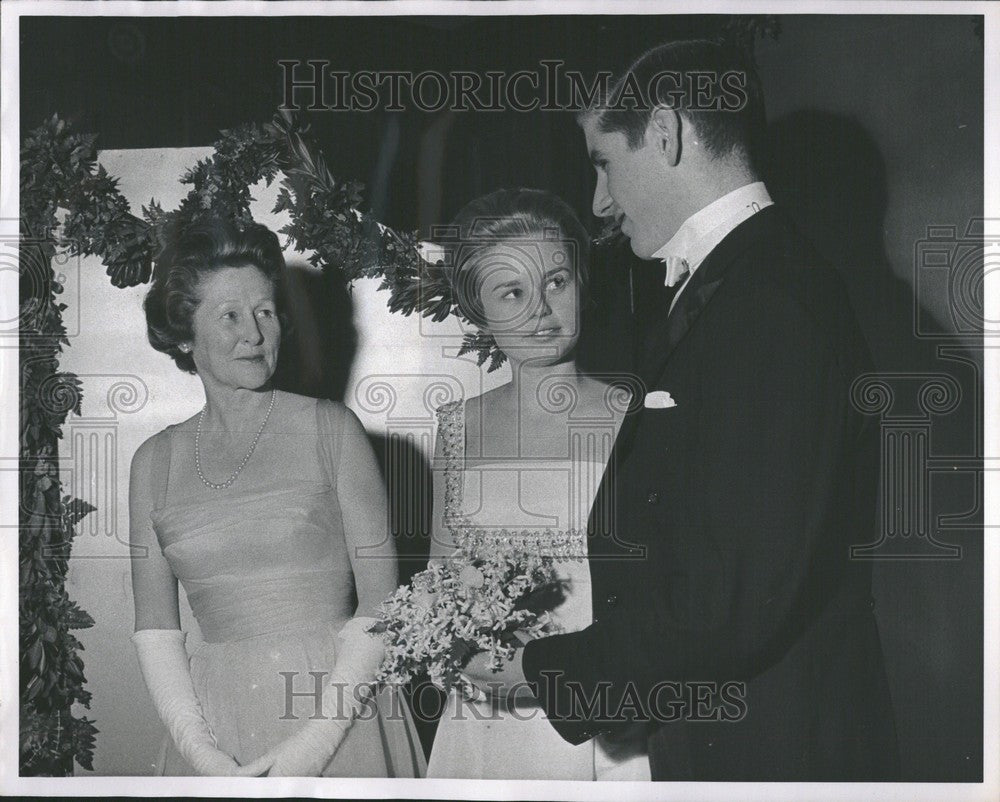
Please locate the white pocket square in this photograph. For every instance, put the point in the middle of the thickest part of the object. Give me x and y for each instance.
(659, 399)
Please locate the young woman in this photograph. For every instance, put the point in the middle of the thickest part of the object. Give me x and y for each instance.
(522, 464)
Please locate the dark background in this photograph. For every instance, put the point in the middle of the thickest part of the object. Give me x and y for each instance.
(875, 133)
(169, 82)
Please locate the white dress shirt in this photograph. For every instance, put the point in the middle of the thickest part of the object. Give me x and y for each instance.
(705, 229)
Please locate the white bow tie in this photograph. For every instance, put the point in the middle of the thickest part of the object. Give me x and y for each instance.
(677, 268)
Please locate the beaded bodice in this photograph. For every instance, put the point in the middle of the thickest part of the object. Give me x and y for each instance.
(531, 504)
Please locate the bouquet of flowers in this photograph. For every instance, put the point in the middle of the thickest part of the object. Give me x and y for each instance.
(481, 599)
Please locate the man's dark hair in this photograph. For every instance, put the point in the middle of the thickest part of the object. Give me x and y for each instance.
(714, 85)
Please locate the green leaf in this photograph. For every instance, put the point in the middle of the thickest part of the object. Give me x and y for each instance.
(34, 655)
(77, 619)
(76, 509)
(33, 688)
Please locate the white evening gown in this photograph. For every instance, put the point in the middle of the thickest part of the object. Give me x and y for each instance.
(540, 505)
(267, 572)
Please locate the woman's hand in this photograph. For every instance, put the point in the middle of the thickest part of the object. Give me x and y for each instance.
(228, 767)
(307, 752)
(504, 687)
(304, 754)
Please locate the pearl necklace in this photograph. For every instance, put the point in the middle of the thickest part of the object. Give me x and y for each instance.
(246, 459)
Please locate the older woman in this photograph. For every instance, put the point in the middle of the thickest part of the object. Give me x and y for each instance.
(521, 465)
(269, 509)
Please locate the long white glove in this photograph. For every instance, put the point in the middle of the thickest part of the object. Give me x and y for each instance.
(165, 668)
(350, 685)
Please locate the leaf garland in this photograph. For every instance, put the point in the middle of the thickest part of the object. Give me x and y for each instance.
(51, 671)
(59, 171)
(325, 215)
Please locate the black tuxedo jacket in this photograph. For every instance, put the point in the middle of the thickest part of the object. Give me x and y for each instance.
(730, 621)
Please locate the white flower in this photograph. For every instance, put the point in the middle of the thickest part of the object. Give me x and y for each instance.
(470, 598)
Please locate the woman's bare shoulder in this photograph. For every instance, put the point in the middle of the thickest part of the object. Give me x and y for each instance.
(324, 415)
(303, 414)
(187, 425)
(295, 401)
(490, 402)
(142, 459)
(148, 446)
(488, 418)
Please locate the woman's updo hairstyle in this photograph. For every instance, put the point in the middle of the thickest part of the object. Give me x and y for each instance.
(198, 250)
(505, 215)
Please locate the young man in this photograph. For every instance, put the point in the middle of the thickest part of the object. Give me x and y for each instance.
(734, 626)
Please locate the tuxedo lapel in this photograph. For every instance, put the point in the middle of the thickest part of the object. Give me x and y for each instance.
(672, 328)
(665, 338)
(650, 296)
(701, 287)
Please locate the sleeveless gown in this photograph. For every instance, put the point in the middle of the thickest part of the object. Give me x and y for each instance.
(267, 574)
(540, 505)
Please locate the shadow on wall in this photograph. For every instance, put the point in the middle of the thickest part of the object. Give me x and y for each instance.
(317, 353)
(827, 172)
(408, 480)
(318, 350)
(319, 346)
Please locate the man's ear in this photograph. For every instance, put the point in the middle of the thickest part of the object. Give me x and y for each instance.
(664, 130)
